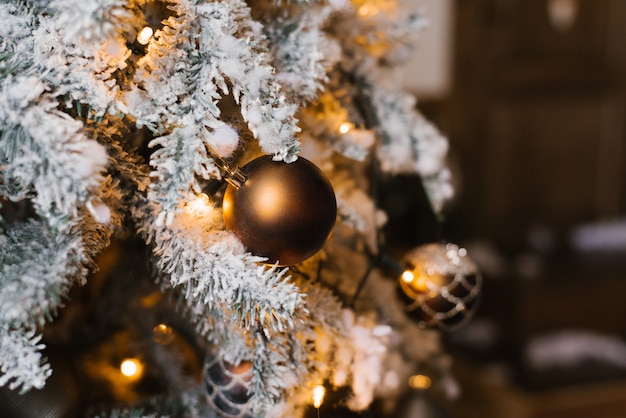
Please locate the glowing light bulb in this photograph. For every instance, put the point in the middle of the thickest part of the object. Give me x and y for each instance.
(420, 381)
(318, 395)
(345, 127)
(417, 282)
(199, 206)
(144, 36)
(131, 368)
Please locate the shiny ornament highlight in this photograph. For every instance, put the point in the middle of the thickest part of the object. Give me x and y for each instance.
(282, 211)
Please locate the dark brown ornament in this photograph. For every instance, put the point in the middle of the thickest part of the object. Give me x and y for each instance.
(282, 211)
(440, 287)
(227, 387)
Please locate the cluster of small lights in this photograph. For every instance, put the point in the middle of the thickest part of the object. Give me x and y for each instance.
(454, 259)
(455, 254)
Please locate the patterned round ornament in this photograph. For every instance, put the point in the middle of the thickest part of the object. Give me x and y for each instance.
(227, 387)
(282, 211)
(440, 286)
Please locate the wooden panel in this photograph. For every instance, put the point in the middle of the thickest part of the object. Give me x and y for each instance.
(538, 116)
(551, 162)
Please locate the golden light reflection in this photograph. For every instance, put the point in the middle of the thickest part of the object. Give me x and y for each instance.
(132, 368)
(144, 36)
(271, 200)
(318, 395)
(420, 381)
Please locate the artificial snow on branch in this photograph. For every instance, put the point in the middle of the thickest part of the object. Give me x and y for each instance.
(39, 146)
(411, 144)
(302, 51)
(21, 363)
(34, 265)
(234, 46)
(92, 20)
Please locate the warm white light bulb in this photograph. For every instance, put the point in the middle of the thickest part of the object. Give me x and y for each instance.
(318, 395)
(144, 36)
(131, 368)
(345, 127)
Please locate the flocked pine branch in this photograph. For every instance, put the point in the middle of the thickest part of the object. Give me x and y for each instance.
(203, 52)
(234, 46)
(21, 363)
(213, 268)
(175, 98)
(190, 404)
(411, 144)
(92, 20)
(210, 272)
(40, 145)
(34, 264)
(38, 266)
(17, 45)
(302, 51)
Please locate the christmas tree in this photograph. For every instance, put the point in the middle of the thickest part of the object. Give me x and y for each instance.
(190, 223)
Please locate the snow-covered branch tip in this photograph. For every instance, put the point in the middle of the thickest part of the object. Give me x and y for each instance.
(22, 365)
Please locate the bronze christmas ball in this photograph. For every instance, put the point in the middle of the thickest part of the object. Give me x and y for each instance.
(440, 287)
(283, 211)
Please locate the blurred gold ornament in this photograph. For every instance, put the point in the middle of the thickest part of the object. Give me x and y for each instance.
(440, 286)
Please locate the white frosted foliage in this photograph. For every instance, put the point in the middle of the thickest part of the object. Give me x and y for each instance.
(225, 140)
(21, 362)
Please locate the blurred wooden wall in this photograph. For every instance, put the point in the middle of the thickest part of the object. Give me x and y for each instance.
(537, 116)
